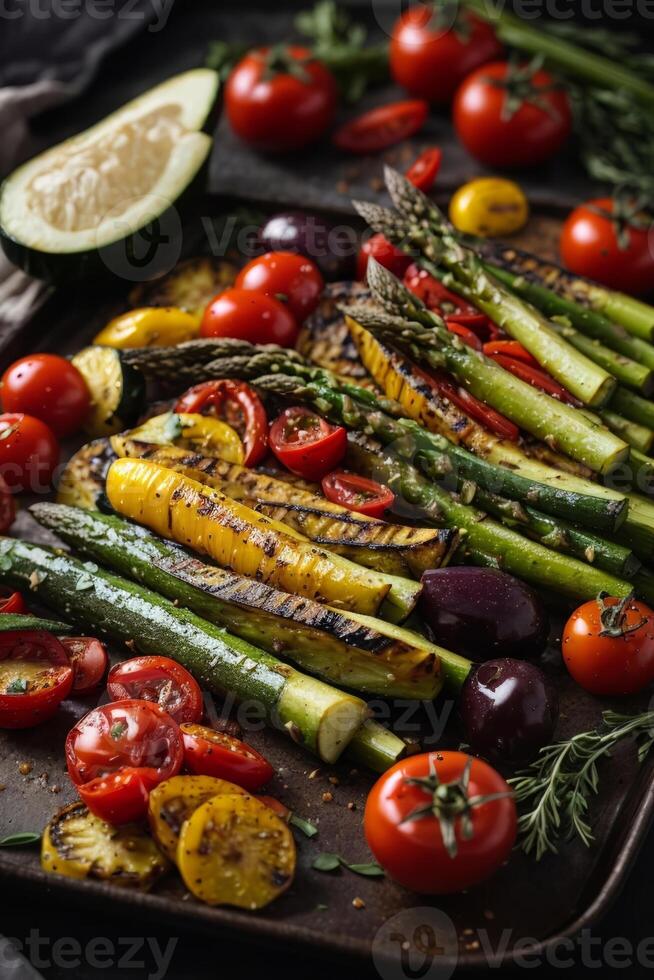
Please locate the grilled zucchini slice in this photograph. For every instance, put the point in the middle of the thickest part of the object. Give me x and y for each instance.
(172, 802)
(389, 548)
(233, 850)
(79, 845)
(82, 481)
(202, 433)
(190, 286)
(117, 390)
(239, 539)
(325, 338)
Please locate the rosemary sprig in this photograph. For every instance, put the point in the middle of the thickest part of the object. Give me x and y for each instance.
(558, 785)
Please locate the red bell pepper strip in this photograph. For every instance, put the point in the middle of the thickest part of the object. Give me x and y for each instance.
(536, 377)
(236, 398)
(510, 348)
(476, 409)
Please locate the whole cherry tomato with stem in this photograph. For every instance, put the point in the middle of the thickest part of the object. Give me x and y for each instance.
(511, 116)
(290, 278)
(608, 645)
(307, 444)
(211, 753)
(119, 797)
(239, 405)
(35, 677)
(29, 453)
(440, 822)
(49, 388)
(132, 733)
(246, 315)
(431, 53)
(160, 680)
(610, 240)
(280, 98)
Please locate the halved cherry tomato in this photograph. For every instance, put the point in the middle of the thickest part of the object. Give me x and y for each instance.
(423, 172)
(510, 348)
(536, 377)
(440, 822)
(136, 734)
(29, 453)
(292, 279)
(382, 127)
(211, 753)
(387, 254)
(119, 797)
(246, 315)
(11, 602)
(35, 677)
(467, 335)
(89, 659)
(241, 407)
(608, 645)
(160, 680)
(476, 409)
(48, 387)
(357, 493)
(306, 444)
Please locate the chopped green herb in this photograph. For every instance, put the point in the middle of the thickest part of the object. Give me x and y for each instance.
(305, 826)
(20, 839)
(17, 686)
(326, 862)
(84, 582)
(118, 729)
(330, 862)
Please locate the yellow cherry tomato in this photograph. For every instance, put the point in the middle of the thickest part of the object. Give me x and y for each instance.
(490, 207)
(150, 326)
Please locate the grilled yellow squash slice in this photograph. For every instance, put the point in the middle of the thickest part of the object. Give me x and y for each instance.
(173, 801)
(390, 548)
(238, 538)
(202, 433)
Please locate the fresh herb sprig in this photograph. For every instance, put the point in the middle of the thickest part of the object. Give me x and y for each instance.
(558, 786)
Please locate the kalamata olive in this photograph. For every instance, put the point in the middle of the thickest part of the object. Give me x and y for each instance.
(333, 249)
(482, 613)
(509, 710)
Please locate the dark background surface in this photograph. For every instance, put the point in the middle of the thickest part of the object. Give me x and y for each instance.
(26, 45)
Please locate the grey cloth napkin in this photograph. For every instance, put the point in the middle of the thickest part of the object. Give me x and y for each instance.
(44, 63)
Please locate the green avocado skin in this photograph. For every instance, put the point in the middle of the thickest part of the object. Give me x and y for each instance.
(146, 253)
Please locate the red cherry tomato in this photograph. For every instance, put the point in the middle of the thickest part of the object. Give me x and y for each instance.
(35, 677)
(306, 444)
(134, 734)
(239, 405)
(608, 646)
(357, 493)
(48, 387)
(11, 602)
(280, 99)
(211, 753)
(89, 660)
(500, 137)
(119, 797)
(7, 507)
(382, 127)
(290, 278)
(250, 316)
(413, 851)
(386, 254)
(591, 246)
(29, 453)
(429, 59)
(160, 680)
(423, 172)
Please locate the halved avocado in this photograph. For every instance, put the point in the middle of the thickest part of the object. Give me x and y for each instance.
(108, 199)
